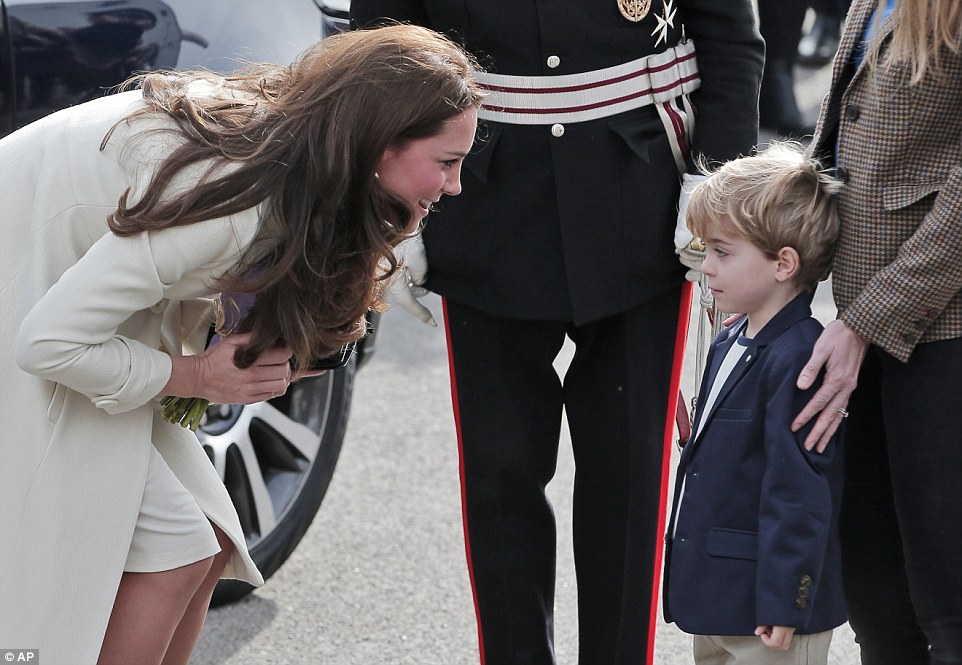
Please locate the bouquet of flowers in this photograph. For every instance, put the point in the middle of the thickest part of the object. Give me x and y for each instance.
(184, 411)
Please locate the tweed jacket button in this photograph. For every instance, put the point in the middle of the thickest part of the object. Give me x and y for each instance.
(852, 112)
(842, 173)
(557, 130)
(908, 338)
(553, 61)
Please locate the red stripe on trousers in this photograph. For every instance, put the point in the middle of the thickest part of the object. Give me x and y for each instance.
(464, 509)
(678, 359)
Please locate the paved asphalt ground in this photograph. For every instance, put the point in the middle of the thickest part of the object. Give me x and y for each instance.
(380, 576)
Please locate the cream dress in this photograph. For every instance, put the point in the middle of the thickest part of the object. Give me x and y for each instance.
(84, 314)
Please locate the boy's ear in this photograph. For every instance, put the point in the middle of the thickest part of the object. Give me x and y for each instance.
(787, 265)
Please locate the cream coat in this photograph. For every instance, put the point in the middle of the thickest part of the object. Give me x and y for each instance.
(83, 316)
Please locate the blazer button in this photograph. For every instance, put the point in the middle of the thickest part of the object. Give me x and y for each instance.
(806, 580)
(553, 61)
(842, 173)
(557, 130)
(800, 603)
(852, 112)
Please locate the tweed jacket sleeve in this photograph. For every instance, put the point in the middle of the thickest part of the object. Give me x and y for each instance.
(897, 273)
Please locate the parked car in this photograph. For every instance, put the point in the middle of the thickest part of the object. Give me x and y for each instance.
(276, 458)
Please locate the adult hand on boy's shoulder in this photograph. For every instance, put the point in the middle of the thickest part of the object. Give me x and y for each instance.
(840, 350)
(776, 637)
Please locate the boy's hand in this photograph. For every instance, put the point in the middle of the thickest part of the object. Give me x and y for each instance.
(775, 637)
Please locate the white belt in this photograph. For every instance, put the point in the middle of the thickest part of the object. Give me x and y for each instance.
(659, 79)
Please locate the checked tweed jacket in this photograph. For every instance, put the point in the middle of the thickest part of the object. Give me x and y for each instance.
(897, 273)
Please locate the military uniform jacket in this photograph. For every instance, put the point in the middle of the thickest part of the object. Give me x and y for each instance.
(897, 275)
(755, 539)
(577, 223)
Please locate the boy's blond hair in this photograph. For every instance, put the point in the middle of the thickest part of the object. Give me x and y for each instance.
(777, 198)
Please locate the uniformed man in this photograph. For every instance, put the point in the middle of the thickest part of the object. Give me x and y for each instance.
(565, 228)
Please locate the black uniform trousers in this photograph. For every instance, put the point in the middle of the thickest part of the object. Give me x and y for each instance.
(508, 402)
(901, 520)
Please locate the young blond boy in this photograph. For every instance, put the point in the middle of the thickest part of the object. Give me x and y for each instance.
(752, 562)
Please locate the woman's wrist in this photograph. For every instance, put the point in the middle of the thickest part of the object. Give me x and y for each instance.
(186, 376)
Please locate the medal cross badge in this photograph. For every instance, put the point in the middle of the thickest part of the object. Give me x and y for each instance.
(634, 10)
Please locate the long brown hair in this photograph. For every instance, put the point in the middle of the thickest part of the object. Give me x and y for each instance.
(303, 142)
(922, 31)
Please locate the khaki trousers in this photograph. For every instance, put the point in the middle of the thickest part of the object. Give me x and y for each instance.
(728, 650)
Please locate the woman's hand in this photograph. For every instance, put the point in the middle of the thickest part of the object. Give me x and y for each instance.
(840, 351)
(213, 375)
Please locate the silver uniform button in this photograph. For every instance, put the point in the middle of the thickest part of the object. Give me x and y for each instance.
(553, 61)
(557, 130)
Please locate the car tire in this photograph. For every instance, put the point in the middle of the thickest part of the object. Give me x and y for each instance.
(276, 459)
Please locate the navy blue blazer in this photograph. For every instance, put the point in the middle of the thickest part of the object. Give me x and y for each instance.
(756, 541)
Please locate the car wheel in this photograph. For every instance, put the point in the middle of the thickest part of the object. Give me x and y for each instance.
(276, 459)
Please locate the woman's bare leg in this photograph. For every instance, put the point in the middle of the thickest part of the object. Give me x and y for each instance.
(188, 631)
(147, 611)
